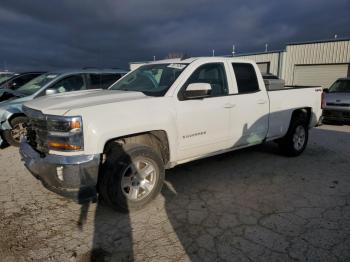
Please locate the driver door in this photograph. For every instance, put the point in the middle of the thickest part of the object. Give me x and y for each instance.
(203, 124)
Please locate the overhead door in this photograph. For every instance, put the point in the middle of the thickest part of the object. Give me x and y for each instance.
(319, 75)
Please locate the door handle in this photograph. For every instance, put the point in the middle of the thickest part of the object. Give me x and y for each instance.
(229, 105)
(261, 102)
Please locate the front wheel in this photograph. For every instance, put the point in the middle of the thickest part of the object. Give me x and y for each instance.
(19, 129)
(295, 141)
(131, 177)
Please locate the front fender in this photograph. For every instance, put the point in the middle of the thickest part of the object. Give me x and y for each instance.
(7, 114)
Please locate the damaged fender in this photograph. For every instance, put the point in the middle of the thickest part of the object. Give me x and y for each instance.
(5, 119)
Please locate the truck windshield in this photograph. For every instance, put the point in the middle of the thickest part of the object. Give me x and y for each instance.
(152, 80)
(340, 86)
(36, 84)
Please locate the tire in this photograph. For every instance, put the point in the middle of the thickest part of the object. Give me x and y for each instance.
(295, 141)
(120, 176)
(19, 128)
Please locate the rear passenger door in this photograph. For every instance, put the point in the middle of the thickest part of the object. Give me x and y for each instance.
(250, 112)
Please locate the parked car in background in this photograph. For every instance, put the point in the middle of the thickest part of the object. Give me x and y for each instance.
(5, 75)
(12, 120)
(18, 80)
(337, 102)
(156, 117)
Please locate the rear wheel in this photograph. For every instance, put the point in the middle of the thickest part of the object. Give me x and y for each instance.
(131, 176)
(295, 141)
(19, 129)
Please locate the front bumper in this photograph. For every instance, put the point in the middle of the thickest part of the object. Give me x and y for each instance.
(74, 177)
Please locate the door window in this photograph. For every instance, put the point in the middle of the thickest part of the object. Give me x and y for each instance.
(70, 83)
(108, 79)
(247, 81)
(103, 80)
(213, 74)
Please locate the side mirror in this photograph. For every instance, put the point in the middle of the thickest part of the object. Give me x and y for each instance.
(325, 90)
(197, 90)
(50, 91)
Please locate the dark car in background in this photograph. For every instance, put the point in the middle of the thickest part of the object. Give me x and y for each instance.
(17, 80)
(337, 102)
(13, 122)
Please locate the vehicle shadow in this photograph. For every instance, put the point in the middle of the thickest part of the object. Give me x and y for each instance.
(186, 221)
(222, 209)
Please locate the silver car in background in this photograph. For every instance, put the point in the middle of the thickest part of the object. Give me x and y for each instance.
(337, 102)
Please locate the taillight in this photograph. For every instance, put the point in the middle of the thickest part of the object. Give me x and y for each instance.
(323, 100)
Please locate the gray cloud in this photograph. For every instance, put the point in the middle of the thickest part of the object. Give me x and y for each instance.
(106, 33)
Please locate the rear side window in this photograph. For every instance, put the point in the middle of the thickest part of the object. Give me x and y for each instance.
(70, 83)
(95, 80)
(247, 81)
(103, 80)
(108, 79)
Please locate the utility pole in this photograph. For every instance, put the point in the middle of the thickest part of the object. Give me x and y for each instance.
(266, 46)
(233, 50)
(213, 52)
(154, 58)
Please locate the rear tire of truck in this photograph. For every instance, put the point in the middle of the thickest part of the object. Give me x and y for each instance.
(19, 128)
(295, 141)
(131, 176)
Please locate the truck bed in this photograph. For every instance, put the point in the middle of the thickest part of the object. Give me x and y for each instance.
(284, 101)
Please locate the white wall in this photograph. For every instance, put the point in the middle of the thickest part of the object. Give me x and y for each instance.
(322, 53)
(272, 58)
(336, 52)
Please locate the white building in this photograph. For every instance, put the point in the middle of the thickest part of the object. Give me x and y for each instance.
(317, 63)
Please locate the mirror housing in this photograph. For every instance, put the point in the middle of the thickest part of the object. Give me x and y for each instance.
(50, 91)
(197, 91)
(325, 90)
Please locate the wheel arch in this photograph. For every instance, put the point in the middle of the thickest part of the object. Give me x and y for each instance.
(9, 115)
(156, 139)
(302, 112)
(15, 115)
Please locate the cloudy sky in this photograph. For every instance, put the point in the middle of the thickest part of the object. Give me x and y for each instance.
(51, 34)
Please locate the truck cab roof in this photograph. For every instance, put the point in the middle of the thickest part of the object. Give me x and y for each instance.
(204, 58)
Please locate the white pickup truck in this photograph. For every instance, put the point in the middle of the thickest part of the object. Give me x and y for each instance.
(118, 142)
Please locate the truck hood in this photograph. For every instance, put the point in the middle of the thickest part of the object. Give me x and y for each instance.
(60, 104)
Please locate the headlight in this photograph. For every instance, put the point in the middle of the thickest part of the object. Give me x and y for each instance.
(65, 133)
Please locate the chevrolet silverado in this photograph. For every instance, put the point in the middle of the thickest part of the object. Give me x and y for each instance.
(117, 143)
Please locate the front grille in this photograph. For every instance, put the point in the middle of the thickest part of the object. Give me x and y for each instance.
(37, 129)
